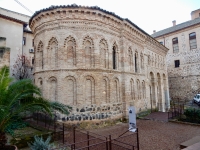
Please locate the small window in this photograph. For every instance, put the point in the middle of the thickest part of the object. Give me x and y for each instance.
(193, 42)
(33, 60)
(177, 63)
(24, 41)
(161, 43)
(175, 45)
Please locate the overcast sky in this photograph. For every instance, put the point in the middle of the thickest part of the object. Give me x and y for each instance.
(147, 14)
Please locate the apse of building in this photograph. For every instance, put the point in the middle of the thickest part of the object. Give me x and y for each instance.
(97, 62)
(183, 63)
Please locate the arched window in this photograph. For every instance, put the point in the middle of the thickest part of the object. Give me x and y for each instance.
(175, 45)
(138, 90)
(39, 56)
(193, 42)
(143, 90)
(114, 58)
(89, 52)
(116, 91)
(89, 90)
(136, 68)
(142, 60)
(53, 89)
(132, 89)
(130, 55)
(104, 53)
(52, 52)
(70, 91)
(105, 89)
(70, 51)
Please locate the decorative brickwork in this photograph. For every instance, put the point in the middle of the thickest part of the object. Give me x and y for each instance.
(97, 63)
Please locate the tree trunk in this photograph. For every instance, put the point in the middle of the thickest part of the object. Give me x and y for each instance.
(3, 139)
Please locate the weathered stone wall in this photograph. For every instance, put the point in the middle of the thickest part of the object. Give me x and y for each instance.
(97, 63)
(184, 81)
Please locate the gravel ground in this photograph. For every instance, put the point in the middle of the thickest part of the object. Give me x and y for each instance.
(156, 135)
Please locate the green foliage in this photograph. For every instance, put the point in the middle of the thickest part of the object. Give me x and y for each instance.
(60, 107)
(192, 115)
(40, 144)
(19, 97)
(18, 124)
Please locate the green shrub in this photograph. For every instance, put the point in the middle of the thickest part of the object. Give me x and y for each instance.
(40, 144)
(192, 115)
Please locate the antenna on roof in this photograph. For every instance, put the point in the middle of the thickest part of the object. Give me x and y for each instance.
(23, 6)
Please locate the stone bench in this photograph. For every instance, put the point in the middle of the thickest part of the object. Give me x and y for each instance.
(195, 142)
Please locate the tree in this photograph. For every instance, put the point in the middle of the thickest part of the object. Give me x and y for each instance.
(22, 69)
(16, 98)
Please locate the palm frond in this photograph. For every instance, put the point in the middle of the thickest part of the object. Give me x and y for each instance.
(5, 80)
(60, 107)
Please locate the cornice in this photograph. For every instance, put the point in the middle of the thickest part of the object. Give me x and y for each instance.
(89, 70)
(114, 33)
(12, 19)
(94, 13)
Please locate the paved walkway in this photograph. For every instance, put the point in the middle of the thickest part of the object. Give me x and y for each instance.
(161, 116)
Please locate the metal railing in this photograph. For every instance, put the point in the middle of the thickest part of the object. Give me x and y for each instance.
(75, 139)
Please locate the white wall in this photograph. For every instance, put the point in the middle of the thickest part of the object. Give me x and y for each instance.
(13, 32)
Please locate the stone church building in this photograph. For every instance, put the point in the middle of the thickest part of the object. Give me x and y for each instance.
(183, 58)
(97, 62)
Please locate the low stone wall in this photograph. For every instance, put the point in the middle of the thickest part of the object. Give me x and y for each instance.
(93, 112)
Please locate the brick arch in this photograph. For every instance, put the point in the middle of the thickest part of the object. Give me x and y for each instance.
(69, 51)
(115, 90)
(69, 38)
(105, 89)
(143, 89)
(40, 46)
(141, 60)
(70, 89)
(136, 61)
(103, 46)
(132, 89)
(52, 88)
(88, 46)
(130, 59)
(115, 56)
(52, 49)
(39, 55)
(53, 39)
(138, 89)
(89, 92)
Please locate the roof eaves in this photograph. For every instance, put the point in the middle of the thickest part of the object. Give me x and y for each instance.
(13, 19)
(15, 12)
(176, 28)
